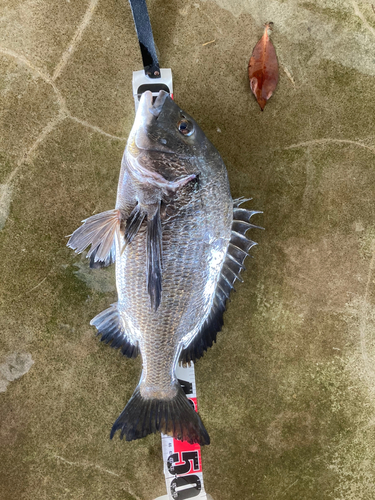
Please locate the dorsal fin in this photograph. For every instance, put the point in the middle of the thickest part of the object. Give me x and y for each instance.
(232, 266)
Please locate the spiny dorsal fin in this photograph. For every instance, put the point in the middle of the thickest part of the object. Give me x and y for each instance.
(237, 251)
(99, 231)
(154, 258)
(110, 326)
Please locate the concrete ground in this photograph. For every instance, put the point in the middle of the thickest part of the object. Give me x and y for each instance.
(288, 392)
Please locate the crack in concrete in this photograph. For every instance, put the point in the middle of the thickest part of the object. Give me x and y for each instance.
(43, 134)
(64, 112)
(364, 307)
(290, 486)
(22, 59)
(364, 317)
(36, 286)
(358, 13)
(328, 140)
(95, 466)
(5, 198)
(77, 37)
(95, 128)
(87, 464)
(288, 74)
(62, 115)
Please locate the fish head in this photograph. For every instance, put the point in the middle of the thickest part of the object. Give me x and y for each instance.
(165, 142)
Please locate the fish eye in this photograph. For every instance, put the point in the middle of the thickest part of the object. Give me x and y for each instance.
(185, 127)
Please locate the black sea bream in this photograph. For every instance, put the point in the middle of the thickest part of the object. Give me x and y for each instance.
(179, 243)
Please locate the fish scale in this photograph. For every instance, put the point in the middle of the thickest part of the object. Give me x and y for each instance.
(162, 330)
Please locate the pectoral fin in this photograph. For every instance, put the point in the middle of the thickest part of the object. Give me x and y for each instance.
(100, 232)
(110, 259)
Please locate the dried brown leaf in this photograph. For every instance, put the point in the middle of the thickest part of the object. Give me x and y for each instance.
(263, 69)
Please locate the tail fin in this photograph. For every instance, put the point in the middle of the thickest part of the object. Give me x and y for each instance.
(175, 417)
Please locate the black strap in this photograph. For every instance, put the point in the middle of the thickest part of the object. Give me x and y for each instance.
(145, 38)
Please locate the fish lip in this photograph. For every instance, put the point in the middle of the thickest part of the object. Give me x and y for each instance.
(147, 113)
(159, 103)
(148, 107)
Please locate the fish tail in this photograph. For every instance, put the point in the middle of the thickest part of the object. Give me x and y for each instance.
(174, 417)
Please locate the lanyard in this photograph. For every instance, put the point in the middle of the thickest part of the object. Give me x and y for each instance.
(151, 77)
(145, 38)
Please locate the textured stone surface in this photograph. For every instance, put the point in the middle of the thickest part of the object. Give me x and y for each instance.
(287, 393)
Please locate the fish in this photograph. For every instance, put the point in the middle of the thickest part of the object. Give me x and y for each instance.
(179, 242)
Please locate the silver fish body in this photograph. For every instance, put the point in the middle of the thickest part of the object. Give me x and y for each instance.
(179, 243)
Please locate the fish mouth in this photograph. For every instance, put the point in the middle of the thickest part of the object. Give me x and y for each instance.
(146, 133)
(147, 105)
(159, 103)
(147, 113)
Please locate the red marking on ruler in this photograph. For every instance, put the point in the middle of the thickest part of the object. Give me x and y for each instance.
(181, 447)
